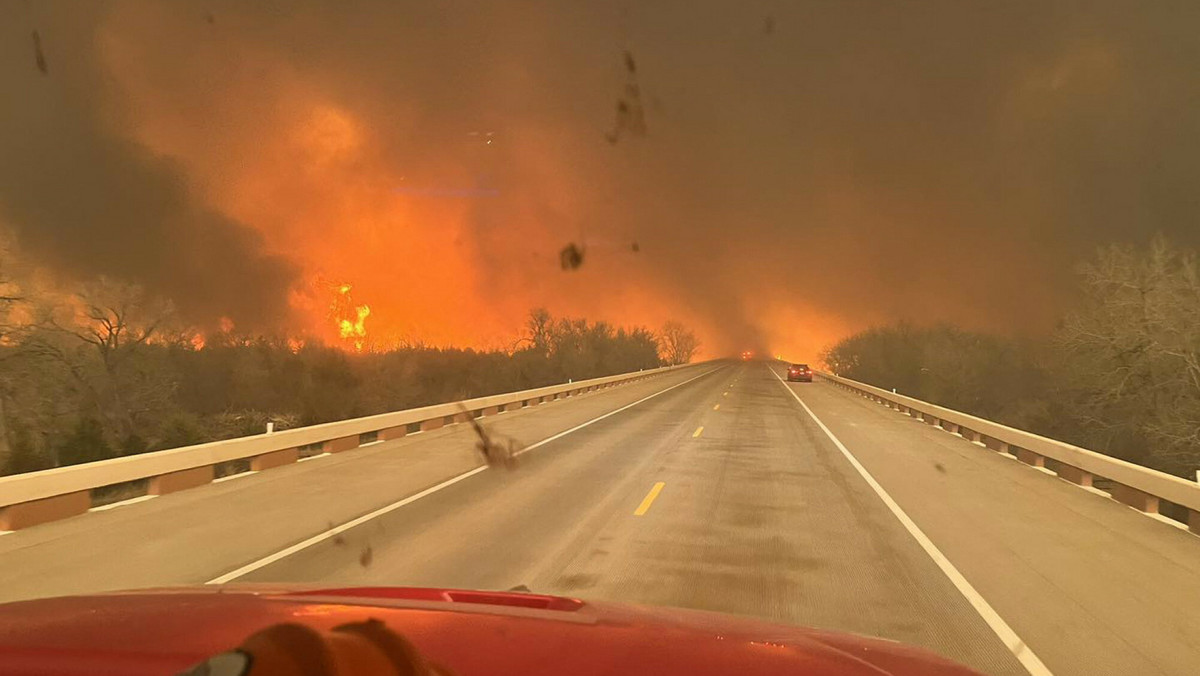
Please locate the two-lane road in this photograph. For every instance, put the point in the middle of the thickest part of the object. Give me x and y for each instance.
(718, 495)
(715, 487)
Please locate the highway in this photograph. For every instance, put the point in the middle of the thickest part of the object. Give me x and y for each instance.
(717, 488)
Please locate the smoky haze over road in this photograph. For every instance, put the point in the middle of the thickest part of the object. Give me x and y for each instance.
(806, 169)
(716, 487)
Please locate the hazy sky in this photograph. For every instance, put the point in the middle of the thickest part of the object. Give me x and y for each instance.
(806, 168)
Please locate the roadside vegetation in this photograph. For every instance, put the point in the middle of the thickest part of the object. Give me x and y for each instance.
(1120, 375)
(107, 372)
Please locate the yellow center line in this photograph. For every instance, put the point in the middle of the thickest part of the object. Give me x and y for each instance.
(646, 501)
(698, 431)
(717, 407)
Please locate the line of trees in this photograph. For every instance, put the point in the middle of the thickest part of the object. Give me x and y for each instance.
(1120, 375)
(108, 372)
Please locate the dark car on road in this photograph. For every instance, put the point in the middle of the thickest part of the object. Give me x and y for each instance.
(800, 373)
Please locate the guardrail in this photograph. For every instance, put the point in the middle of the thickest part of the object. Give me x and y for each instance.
(1139, 487)
(47, 495)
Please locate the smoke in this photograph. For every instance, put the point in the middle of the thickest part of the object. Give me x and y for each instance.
(853, 163)
(85, 198)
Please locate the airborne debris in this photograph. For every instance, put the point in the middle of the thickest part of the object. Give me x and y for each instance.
(769, 25)
(494, 453)
(208, 16)
(631, 117)
(939, 467)
(39, 56)
(338, 538)
(366, 557)
(571, 257)
(635, 248)
(487, 136)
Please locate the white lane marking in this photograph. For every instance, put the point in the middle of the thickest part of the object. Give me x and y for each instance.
(122, 503)
(319, 455)
(320, 537)
(304, 544)
(231, 477)
(1005, 633)
(1159, 517)
(610, 413)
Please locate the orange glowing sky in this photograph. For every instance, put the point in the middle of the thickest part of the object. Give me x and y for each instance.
(853, 166)
(313, 176)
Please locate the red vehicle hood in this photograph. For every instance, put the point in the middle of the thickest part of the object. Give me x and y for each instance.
(162, 632)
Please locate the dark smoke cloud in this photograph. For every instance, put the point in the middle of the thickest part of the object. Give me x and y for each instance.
(878, 162)
(853, 163)
(83, 197)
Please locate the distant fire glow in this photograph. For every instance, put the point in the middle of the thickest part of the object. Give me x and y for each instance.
(351, 319)
(349, 154)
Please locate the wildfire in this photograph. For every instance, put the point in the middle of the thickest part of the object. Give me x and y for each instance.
(357, 329)
(351, 319)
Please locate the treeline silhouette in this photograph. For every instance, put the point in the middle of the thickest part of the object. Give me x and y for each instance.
(111, 379)
(1120, 374)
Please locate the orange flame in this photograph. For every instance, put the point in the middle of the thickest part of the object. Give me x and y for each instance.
(351, 319)
(357, 329)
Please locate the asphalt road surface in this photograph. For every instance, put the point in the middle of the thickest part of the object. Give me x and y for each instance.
(757, 514)
(710, 488)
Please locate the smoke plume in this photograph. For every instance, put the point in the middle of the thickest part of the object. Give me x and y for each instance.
(776, 187)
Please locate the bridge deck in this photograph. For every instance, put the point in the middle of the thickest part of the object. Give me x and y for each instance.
(756, 511)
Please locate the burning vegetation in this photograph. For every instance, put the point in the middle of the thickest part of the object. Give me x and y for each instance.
(351, 319)
(113, 370)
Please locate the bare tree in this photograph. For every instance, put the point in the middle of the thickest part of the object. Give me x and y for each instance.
(116, 318)
(100, 338)
(1133, 349)
(9, 297)
(677, 343)
(539, 327)
(36, 402)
